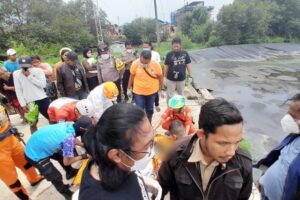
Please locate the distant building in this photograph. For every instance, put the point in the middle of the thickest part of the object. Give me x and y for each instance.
(188, 8)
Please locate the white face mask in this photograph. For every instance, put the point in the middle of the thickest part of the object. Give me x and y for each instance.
(141, 164)
(143, 65)
(289, 125)
(105, 56)
(129, 50)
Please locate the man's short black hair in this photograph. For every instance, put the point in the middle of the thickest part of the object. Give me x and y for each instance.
(72, 56)
(35, 57)
(148, 42)
(176, 40)
(218, 112)
(296, 97)
(128, 43)
(177, 128)
(146, 55)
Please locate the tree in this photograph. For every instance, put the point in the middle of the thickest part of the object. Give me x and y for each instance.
(139, 30)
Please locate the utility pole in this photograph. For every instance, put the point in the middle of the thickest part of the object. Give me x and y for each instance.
(157, 23)
(98, 25)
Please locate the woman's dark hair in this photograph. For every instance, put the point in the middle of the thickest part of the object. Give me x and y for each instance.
(35, 57)
(116, 129)
(62, 53)
(85, 51)
(218, 112)
(146, 55)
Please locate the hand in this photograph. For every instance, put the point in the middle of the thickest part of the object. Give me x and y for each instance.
(26, 72)
(165, 82)
(5, 87)
(129, 92)
(25, 109)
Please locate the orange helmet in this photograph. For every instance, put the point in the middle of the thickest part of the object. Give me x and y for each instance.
(110, 90)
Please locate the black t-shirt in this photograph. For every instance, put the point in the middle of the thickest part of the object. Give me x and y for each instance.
(177, 62)
(8, 93)
(91, 189)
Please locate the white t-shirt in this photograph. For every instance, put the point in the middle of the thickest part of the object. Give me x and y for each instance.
(155, 56)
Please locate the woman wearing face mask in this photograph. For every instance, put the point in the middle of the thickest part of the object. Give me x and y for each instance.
(121, 144)
(89, 64)
(106, 67)
(281, 180)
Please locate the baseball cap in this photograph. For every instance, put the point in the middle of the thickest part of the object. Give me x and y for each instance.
(25, 61)
(82, 125)
(11, 52)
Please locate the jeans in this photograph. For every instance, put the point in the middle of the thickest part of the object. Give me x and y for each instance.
(79, 95)
(146, 102)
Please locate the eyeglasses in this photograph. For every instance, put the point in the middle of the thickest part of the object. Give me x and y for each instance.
(148, 153)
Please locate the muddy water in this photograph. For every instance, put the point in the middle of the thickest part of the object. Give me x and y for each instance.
(259, 88)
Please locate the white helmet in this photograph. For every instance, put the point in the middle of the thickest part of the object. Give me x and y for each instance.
(85, 107)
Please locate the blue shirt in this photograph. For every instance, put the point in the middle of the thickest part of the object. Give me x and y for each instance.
(50, 139)
(11, 66)
(274, 179)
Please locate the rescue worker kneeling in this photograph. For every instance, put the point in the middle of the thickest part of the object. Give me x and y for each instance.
(57, 142)
(12, 156)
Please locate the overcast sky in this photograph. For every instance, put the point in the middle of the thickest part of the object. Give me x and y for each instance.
(124, 11)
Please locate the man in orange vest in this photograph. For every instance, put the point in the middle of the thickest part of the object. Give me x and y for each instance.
(12, 156)
(177, 111)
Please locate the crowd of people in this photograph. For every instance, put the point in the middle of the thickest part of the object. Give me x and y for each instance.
(105, 106)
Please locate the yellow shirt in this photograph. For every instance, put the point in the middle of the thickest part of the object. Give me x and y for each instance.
(143, 84)
(206, 169)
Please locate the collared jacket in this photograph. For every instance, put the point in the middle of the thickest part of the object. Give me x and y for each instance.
(182, 179)
(291, 187)
(66, 80)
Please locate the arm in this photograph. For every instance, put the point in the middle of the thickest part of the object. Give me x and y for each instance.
(47, 69)
(60, 83)
(166, 70)
(88, 67)
(38, 78)
(68, 151)
(189, 69)
(188, 64)
(248, 181)
(18, 88)
(158, 123)
(130, 82)
(166, 178)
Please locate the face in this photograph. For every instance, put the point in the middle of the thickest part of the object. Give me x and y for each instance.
(144, 61)
(13, 57)
(35, 62)
(146, 47)
(70, 62)
(294, 111)
(176, 47)
(89, 54)
(221, 145)
(142, 142)
(64, 56)
(128, 46)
